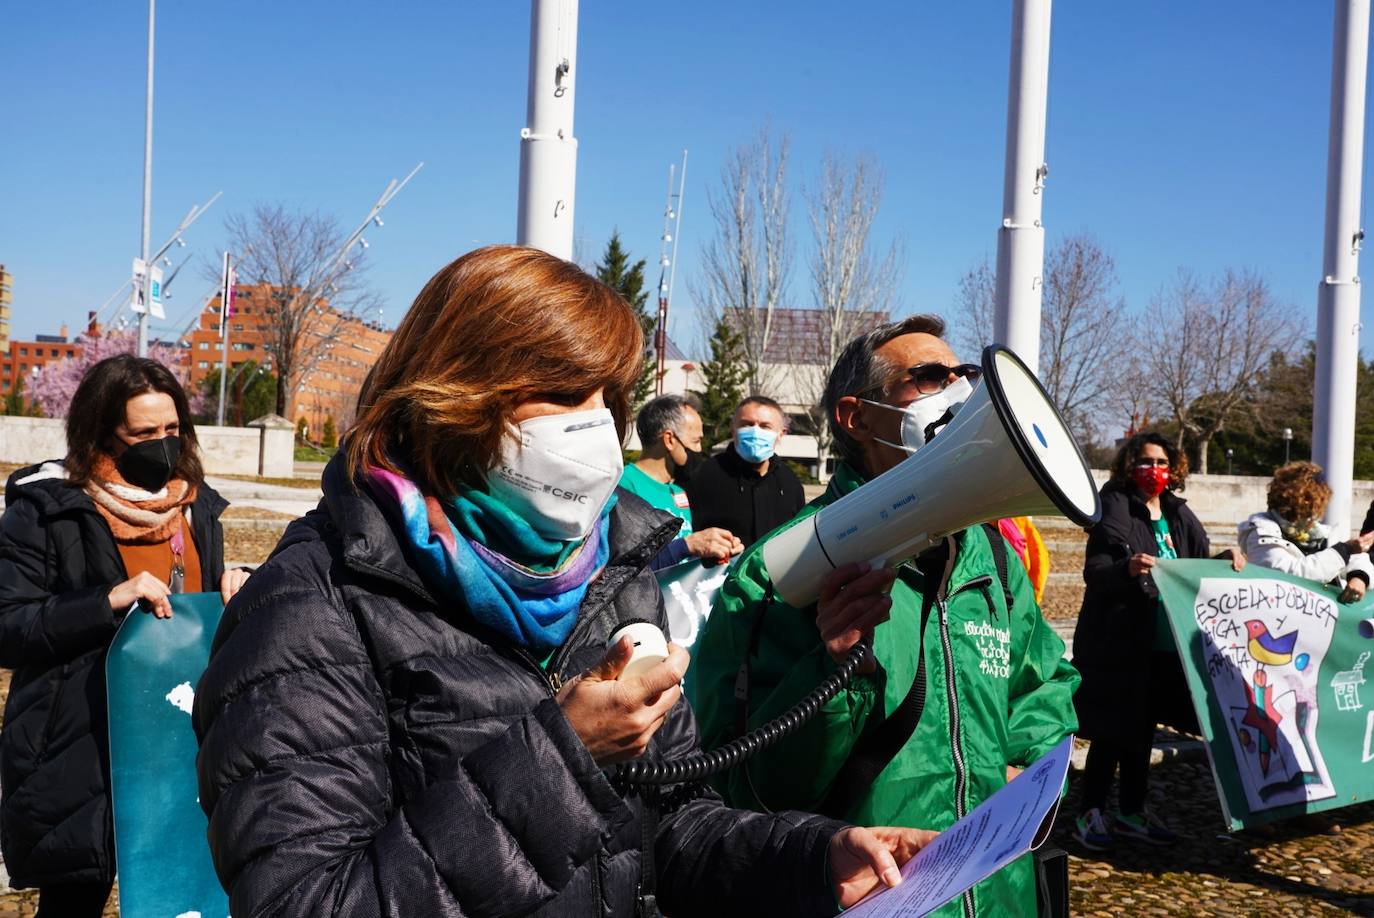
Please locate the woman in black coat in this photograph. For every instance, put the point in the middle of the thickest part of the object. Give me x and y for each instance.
(1132, 678)
(412, 710)
(81, 541)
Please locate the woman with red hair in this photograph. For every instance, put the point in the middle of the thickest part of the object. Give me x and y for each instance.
(412, 709)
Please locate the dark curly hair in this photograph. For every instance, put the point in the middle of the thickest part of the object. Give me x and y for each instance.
(1129, 454)
(1299, 491)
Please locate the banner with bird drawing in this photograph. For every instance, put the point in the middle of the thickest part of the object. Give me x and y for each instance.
(1276, 669)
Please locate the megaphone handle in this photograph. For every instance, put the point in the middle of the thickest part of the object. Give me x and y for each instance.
(699, 765)
(908, 549)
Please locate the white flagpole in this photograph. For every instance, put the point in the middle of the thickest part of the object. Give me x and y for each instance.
(1338, 294)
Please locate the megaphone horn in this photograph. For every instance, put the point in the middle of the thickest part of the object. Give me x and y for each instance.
(1006, 452)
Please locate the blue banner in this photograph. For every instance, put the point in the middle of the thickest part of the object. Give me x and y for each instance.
(161, 852)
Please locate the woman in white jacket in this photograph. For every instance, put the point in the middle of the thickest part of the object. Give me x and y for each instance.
(1289, 536)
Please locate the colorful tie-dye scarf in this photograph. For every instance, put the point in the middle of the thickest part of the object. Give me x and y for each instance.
(468, 545)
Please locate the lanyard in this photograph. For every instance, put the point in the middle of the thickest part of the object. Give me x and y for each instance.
(177, 582)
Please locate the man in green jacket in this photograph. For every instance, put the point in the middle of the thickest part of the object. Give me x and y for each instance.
(999, 693)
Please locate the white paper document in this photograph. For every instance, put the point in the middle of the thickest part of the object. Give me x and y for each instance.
(1003, 827)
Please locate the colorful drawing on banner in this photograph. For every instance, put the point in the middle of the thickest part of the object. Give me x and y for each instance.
(1346, 685)
(1264, 643)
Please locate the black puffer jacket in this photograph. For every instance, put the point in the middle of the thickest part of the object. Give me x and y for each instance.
(58, 562)
(1114, 639)
(367, 750)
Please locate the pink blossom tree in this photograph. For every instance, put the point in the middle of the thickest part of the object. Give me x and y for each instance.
(54, 385)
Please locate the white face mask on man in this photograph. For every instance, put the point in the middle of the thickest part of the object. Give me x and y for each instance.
(927, 415)
(560, 474)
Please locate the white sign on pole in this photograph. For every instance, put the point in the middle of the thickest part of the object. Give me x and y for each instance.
(140, 276)
(155, 293)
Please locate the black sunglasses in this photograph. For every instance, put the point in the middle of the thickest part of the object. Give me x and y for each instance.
(932, 377)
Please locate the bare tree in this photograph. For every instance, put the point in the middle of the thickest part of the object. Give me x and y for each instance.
(1082, 343)
(853, 285)
(1210, 345)
(747, 264)
(316, 288)
(1081, 331)
(976, 302)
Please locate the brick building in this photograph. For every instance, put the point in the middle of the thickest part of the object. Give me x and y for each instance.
(26, 357)
(345, 349)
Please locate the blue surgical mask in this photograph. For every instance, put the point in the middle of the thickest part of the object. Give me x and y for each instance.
(754, 444)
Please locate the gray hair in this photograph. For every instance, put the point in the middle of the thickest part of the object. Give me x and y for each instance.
(860, 371)
(667, 412)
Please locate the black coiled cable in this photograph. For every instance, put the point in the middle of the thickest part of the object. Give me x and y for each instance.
(699, 765)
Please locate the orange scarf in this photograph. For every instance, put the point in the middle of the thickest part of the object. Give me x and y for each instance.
(137, 516)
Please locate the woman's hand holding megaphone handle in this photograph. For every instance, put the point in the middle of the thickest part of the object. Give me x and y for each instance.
(854, 600)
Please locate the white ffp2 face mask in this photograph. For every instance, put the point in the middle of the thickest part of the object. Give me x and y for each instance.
(927, 415)
(560, 474)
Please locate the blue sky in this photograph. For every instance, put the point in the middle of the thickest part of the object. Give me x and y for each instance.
(1180, 133)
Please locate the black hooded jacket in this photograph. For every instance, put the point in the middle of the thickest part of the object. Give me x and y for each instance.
(58, 563)
(367, 749)
(730, 493)
(1114, 639)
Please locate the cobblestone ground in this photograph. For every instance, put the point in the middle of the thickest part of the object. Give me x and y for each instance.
(23, 905)
(1316, 865)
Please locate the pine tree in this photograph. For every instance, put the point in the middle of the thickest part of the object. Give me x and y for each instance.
(14, 400)
(725, 375)
(616, 272)
(329, 437)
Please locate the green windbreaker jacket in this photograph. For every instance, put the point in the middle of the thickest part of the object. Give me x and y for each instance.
(998, 692)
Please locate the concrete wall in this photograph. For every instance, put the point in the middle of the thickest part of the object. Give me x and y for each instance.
(224, 450)
(1228, 499)
(24, 441)
(228, 450)
(276, 446)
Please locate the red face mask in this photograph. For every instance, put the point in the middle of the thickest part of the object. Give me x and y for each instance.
(1150, 479)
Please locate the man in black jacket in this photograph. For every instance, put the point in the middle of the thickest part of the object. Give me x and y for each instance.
(746, 489)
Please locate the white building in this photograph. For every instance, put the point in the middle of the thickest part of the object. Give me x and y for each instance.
(793, 374)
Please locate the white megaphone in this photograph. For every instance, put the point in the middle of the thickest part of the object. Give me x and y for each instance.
(1006, 452)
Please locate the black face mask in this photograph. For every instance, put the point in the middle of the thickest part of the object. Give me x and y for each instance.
(149, 463)
(683, 473)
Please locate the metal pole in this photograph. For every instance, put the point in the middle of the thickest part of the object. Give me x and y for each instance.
(224, 338)
(1021, 238)
(548, 150)
(664, 264)
(677, 225)
(1338, 294)
(147, 185)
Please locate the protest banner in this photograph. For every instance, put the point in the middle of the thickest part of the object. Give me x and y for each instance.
(689, 588)
(151, 672)
(1275, 667)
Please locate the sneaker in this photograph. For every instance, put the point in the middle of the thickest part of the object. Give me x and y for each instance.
(1091, 829)
(1145, 826)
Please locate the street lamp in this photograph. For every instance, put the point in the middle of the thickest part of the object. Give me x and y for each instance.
(1287, 442)
(1230, 454)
